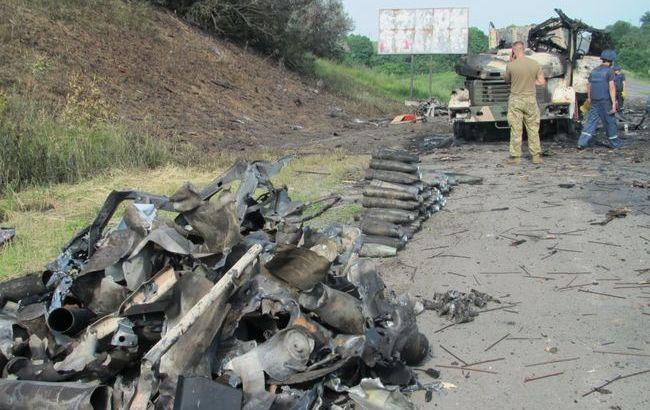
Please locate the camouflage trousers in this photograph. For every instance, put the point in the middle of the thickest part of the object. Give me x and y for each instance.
(523, 111)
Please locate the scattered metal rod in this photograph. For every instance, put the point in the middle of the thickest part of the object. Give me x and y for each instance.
(632, 287)
(453, 355)
(571, 281)
(435, 247)
(498, 308)
(617, 378)
(578, 286)
(622, 353)
(568, 250)
(456, 233)
(568, 273)
(499, 273)
(525, 338)
(466, 368)
(497, 342)
(449, 255)
(605, 243)
(607, 343)
(486, 361)
(530, 379)
(510, 311)
(552, 361)
(600, 293)
(608, 279)
(539, 277)
(457, 274)
(445, 327)
(476, 280)
(567, 232)
(644, 238)
(523, 267)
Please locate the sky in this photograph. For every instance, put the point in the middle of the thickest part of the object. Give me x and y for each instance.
(503, 12)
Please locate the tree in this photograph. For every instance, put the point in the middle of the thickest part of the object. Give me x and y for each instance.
(478, 41)
(360, 50)
(645, 19)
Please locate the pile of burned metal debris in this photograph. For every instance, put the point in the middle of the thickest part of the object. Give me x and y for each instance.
(397, 200)
(209, 298)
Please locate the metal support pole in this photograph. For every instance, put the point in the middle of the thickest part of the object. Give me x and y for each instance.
(412, 73)
(430, 75)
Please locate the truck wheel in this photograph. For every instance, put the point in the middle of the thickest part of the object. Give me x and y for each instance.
(459, 130)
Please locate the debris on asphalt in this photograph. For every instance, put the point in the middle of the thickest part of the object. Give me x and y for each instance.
(613, 214)
(214, 296)
(397, 200)
(6, 235)
(458, 306)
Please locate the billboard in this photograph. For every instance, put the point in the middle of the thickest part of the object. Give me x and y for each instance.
(423, 31)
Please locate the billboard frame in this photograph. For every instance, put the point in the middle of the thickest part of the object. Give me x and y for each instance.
(416, 9)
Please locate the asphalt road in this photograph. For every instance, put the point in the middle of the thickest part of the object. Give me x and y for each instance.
(470, 245)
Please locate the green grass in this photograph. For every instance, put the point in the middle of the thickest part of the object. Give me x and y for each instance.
(379, 89)
(40, 148)
(46, 218)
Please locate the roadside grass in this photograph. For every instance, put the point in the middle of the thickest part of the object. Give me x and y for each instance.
(382, 90)
(41, 148)
(46, 218)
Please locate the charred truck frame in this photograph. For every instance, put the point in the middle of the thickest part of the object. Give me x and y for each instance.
(566, 49)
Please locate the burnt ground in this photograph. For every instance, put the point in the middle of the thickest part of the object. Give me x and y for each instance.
(470, 244)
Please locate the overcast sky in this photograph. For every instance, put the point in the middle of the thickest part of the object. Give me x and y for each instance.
(598, 13)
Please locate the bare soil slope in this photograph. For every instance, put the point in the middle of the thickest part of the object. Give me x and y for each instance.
(143, 66)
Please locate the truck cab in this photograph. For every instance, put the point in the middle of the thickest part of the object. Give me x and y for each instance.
(566, 50)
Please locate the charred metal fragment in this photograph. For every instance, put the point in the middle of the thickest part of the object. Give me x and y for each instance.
(300, 267)
(336, 308)
(69, 320)
(28, 395)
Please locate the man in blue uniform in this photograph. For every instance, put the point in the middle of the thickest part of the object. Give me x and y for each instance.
(621, 87)
(601, 94)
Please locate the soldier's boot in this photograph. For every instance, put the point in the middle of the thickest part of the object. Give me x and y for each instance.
(514, 161)
(537, 159)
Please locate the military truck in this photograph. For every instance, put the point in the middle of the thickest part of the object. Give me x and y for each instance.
(566, 49)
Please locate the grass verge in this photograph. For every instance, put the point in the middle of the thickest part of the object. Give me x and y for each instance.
(46, 218)
(379, 89)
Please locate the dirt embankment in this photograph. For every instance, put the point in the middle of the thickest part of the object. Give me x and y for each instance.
(155, 73)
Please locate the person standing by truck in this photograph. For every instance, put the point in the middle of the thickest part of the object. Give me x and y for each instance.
(601, 95)
(621, 87)
(523, 74)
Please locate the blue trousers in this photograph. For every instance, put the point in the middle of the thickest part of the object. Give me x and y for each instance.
(600, 110)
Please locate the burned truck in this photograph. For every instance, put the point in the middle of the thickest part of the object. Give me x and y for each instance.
(566, 49)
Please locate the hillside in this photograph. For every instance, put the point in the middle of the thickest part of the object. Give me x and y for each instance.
(138, 65)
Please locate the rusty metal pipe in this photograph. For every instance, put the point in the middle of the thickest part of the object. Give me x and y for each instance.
(384, 240)
(69, 320)
(389, 194)
(412, 189)
(392, 176)
(28, 395)
(369, 202)
(388, 165)
(390, 215)
(374, 227)
(396, 155)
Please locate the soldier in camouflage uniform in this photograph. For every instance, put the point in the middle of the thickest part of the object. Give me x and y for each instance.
(523, 74)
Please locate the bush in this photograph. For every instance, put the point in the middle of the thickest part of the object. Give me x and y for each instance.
(40, 148)
(291, 30)
(631, 43)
